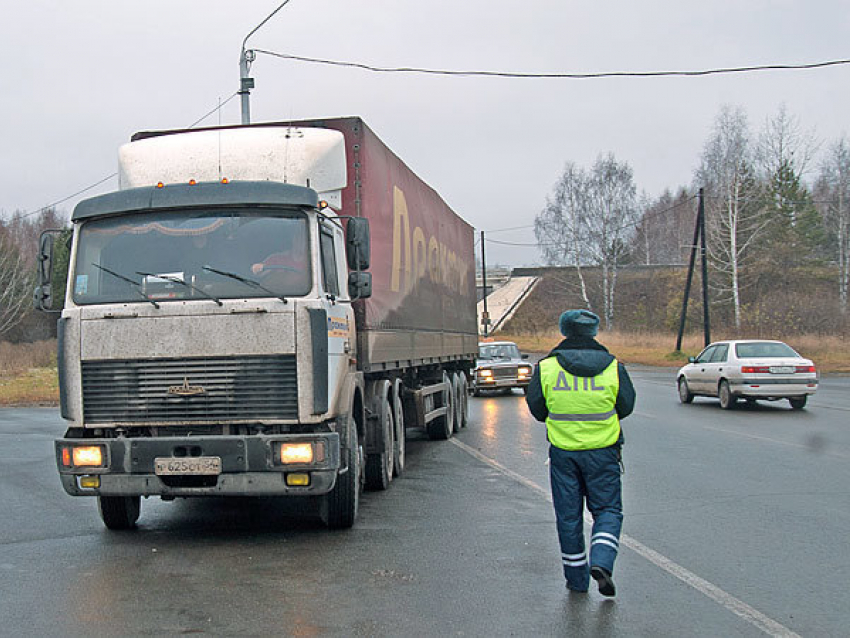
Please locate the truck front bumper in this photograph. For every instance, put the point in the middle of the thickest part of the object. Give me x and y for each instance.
(249, 466)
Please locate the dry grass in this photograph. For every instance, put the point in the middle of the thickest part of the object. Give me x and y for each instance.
(28, 373)
(830, 354)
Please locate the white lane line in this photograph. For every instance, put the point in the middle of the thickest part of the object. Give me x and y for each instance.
(724, 599)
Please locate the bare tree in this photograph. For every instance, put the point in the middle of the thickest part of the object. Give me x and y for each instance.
(560, 229)
(783, 143)
(15, 283)
(734, 216)
(833, 194)
(664, 233)
(588, 221)
(610, 222)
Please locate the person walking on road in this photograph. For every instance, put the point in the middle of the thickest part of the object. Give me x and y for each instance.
(581, 392)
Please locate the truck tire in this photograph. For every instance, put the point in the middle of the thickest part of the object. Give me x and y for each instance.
(458, 397)
(400, 439)
(340, 505)
(119, 512)
(379, 465)
(464, 397)
(441, 428)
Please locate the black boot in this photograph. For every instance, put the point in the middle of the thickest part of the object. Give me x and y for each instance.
(603, 578)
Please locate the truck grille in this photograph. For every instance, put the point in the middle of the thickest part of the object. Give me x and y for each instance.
(215, 389)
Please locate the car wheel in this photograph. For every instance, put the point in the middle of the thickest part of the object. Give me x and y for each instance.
(727, 399)
(685, 395)
(798, 403)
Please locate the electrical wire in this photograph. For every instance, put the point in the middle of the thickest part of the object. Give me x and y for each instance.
(569, 76)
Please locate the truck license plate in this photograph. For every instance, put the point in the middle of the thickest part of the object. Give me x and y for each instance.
(204, 465)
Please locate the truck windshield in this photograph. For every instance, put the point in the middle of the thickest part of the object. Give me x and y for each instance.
(180, 255)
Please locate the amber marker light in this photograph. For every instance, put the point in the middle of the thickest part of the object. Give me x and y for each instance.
(224, 180)
(90, 482)
(160, 185)
(296, 453)
(298, 479)
(323, 205)
(88, 456)
(192, 182)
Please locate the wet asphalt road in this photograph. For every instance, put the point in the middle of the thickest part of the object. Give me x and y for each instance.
(736, 525)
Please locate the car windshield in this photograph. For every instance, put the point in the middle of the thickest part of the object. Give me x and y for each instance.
(179, 255)
(498, 351)
(758, 350)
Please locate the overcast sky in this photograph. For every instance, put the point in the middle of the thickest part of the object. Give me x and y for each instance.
(80, 77)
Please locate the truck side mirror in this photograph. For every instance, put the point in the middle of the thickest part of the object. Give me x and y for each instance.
(357, 244)
(359, 285)
(43, 294)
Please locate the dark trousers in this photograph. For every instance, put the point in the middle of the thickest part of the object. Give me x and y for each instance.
(592, 477)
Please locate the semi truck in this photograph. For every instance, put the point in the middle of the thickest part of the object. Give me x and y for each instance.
(258, 310)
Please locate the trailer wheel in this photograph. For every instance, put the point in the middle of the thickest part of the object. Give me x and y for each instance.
(340, 505)
(458, 397)
(119, 512)
(399, 441)
(379, 465)
(441, 428)
(464, 398)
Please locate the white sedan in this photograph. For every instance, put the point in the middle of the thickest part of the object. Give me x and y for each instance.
(749, 369)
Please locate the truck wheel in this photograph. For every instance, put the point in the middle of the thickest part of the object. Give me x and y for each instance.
(379, 465)
(399, 440)
(464, 398)
(727, 399)
(119, 512)
(441, 428)
(458, 397)
(340, 505)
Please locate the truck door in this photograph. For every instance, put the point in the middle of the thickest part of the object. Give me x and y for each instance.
(340, 316)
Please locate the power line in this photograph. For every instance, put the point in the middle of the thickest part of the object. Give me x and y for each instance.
(568, 76)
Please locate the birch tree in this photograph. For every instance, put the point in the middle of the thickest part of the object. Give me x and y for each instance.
(833, 195)
(16, 284)
(734, 217)
(560, 229)
(588, 221)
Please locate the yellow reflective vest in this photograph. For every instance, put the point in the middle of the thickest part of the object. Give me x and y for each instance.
(581, 409)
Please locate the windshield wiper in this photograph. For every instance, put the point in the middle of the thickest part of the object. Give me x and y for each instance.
(136, 285)
(177, 280)
(245, 280)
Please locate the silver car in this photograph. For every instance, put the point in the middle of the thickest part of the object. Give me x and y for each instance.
(748, 369)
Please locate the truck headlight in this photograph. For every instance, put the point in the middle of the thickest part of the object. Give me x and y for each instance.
(524, 372)
(83, 456)
(301, 453)
(485, 374)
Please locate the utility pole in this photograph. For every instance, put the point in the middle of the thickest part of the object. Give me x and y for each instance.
(699, 240)
(245, 59)
(245, 83)
(485, 316)
(706, 322)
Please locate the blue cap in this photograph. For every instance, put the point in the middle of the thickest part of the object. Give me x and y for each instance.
(578, 323)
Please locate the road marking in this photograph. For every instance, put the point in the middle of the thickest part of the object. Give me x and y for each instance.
(724, 599)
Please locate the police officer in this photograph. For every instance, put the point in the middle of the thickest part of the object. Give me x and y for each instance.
(581, 392)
